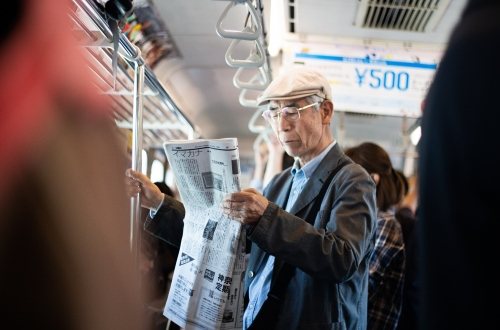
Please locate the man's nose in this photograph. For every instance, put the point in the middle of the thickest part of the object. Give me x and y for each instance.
(283, 123)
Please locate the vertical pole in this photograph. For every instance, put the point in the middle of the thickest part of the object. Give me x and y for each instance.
(136, 157)
(406, 159)
(341, 133)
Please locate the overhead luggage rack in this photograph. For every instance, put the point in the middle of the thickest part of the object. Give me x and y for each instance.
(162, 120)
(139, 101)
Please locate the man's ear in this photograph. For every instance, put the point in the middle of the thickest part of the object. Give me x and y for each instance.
(375, 177)
(326, 109)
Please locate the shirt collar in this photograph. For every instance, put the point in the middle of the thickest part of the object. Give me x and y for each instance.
(311, 165)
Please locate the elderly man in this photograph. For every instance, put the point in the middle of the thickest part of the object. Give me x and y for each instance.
(313, 228)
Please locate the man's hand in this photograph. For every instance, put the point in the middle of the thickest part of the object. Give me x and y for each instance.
(246, 206)
(136, 183)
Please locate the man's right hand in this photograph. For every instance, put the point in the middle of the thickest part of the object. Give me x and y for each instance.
(136, 183)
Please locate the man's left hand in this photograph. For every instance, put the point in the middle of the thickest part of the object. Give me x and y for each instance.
(246, 206)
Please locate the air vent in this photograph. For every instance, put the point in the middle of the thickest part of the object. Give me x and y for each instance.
(361, 114)
(401, 15)
(291, 16)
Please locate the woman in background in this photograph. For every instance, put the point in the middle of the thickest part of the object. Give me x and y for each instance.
(387, 263)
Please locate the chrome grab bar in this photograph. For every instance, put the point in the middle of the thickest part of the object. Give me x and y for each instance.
(259, 81)
(258, 57)
(142, 75)
(137, 137)
(254, 60)
(247, 102)
(247, 33)
(252, 123)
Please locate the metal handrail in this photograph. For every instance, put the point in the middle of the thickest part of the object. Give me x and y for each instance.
(258, 57)
(132, 54)
(254, 60)
(247, 102)
(129, 51)
(252, 126)
(135, 202)
(258, 82)
(246, 33)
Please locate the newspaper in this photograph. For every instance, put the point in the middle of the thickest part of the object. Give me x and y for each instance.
(206, 290)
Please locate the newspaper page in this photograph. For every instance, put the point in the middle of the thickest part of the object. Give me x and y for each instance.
(206, 290)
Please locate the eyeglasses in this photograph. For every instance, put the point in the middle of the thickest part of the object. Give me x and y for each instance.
(289, 113)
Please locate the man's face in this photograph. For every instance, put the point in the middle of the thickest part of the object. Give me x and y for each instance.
(303, 136)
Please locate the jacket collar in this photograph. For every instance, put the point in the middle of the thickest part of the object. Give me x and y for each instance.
(318, 178)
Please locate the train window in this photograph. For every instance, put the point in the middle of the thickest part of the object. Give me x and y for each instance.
(157, 170)
(169, 178)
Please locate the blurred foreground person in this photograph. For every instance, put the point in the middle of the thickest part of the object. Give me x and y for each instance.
(459, 195)
(312, 229)
(64, 252)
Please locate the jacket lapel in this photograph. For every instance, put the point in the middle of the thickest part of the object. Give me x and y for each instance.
(318, 178)
(283, 196)
(281, 199)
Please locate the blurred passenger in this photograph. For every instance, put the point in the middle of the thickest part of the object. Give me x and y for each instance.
(66, 262)
(313, 229)
(156, 266)
(459, 195)
(261, 156)
(270, 159)
(406, 208)
(387, 263)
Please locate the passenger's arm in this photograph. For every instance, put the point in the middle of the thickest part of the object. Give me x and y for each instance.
(168, 222)
(136, 182)
(166, 219)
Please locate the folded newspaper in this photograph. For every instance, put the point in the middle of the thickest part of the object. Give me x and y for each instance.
(206, 290)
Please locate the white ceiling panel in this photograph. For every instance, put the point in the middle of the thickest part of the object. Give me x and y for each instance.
(202, 81)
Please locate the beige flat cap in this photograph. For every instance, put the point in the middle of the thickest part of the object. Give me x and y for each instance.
(296, 82)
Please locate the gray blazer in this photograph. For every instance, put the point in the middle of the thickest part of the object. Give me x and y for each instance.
(330, 249)
(329, 288)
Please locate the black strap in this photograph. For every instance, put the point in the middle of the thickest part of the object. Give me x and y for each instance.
(319, 199)
(267, 317)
